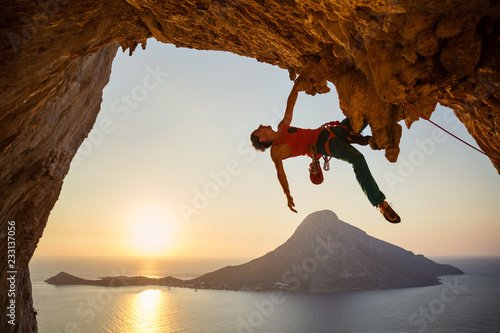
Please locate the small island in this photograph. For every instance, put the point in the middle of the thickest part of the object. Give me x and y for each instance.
(65, 279)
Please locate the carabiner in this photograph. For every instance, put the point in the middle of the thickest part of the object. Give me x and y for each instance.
(326, 166)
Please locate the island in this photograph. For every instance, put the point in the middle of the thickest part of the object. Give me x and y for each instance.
(324, 254)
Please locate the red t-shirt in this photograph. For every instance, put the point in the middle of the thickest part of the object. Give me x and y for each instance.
(298, 139)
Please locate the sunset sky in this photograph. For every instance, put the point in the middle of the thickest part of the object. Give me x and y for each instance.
(168, 170)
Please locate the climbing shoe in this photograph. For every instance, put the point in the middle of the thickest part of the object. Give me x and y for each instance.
(389, 213)
(357, 138)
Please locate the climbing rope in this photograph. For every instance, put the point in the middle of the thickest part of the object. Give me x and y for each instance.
(453, 135)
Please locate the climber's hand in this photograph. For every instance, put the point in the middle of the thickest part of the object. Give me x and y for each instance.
(291, 204)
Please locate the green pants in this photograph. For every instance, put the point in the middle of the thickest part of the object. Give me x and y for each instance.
(342, 150)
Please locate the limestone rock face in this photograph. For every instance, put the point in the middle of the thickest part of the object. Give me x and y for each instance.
(55, 59)
(43, 139)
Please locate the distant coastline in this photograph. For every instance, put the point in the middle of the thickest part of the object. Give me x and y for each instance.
(65, 279)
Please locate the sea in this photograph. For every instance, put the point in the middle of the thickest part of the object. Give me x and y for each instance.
(464, 303)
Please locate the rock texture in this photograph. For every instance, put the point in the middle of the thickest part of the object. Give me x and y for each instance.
(55, 57)
(326, 254)
(41, 139)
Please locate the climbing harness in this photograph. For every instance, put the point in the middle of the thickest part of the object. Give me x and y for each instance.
(328, 127)
(315, 173)
(453, 135)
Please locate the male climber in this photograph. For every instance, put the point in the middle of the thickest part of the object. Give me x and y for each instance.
(292, 141)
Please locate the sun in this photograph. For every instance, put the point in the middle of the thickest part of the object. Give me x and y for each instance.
(151, 233)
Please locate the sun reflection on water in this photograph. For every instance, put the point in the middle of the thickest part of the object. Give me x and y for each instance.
(149, 309)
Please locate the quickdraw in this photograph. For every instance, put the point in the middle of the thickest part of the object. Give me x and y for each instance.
(315, 173)
(326, 162)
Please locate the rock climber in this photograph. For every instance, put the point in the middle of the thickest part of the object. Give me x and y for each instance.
(335, 141)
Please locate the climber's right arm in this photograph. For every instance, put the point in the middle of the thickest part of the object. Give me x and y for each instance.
(277, 154)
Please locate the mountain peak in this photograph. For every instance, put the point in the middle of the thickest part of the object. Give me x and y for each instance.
(323, 224)
(320, 219)
(323, 220)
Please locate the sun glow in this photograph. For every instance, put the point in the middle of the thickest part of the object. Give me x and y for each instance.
(152, 233)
